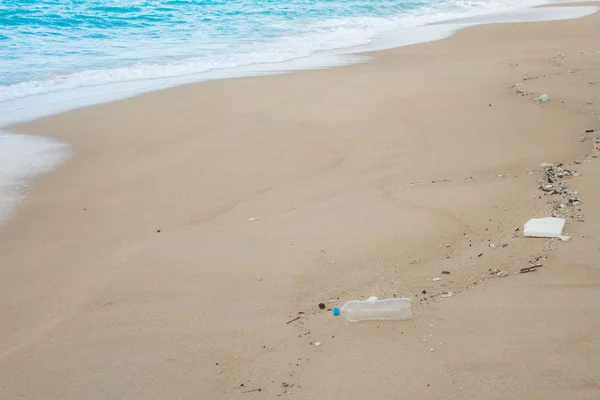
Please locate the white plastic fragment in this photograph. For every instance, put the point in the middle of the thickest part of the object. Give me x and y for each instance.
(317, 344)
(543, 98)
(544, 227)
(436, 279)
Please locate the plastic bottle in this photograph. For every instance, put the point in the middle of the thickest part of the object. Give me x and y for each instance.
(372, 308)
(543, 98)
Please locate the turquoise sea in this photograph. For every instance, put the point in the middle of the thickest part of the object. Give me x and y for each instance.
(56, 45)
(61, 54)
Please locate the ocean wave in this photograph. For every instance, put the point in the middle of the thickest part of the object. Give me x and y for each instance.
(245, 35)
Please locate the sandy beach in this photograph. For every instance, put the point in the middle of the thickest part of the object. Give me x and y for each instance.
(167, 257)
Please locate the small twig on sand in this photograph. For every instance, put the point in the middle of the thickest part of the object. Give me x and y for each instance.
(295, 319)
(253, 390)
(530, 269)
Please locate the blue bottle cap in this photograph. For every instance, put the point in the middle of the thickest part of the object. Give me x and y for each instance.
(336, 312)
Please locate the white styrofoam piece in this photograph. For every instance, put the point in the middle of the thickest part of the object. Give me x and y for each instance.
(544, 227)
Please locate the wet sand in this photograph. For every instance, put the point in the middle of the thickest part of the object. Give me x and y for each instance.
(165, 259)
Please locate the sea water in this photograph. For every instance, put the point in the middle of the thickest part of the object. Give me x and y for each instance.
(57, 55)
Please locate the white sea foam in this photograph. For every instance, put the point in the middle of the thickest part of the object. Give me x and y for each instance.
(22, 157)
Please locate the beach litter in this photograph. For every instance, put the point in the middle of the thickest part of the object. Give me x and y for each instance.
(502, 274)
(543, 98)
(554, 183)
(533, 268)
(545, 228)
(555, 172)
(375, 309)
(436, 279)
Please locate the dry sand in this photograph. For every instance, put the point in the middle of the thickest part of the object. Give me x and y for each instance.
(164, 260)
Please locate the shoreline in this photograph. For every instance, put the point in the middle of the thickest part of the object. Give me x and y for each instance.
(334, 58)
(132, 243)
(50, 155)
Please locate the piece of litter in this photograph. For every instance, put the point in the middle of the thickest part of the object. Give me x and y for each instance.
(502, 274)
(547, 188)
(565, 238)
(436, 279)
(317, 344)
(446, 272)
(448, 294)
(492, 245)
(252, 219)
(544, 227)
(530, 269)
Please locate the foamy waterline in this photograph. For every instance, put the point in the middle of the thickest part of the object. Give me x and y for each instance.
(23, 157)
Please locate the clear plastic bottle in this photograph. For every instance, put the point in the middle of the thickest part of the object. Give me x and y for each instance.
(372, 308)
(543, 98)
